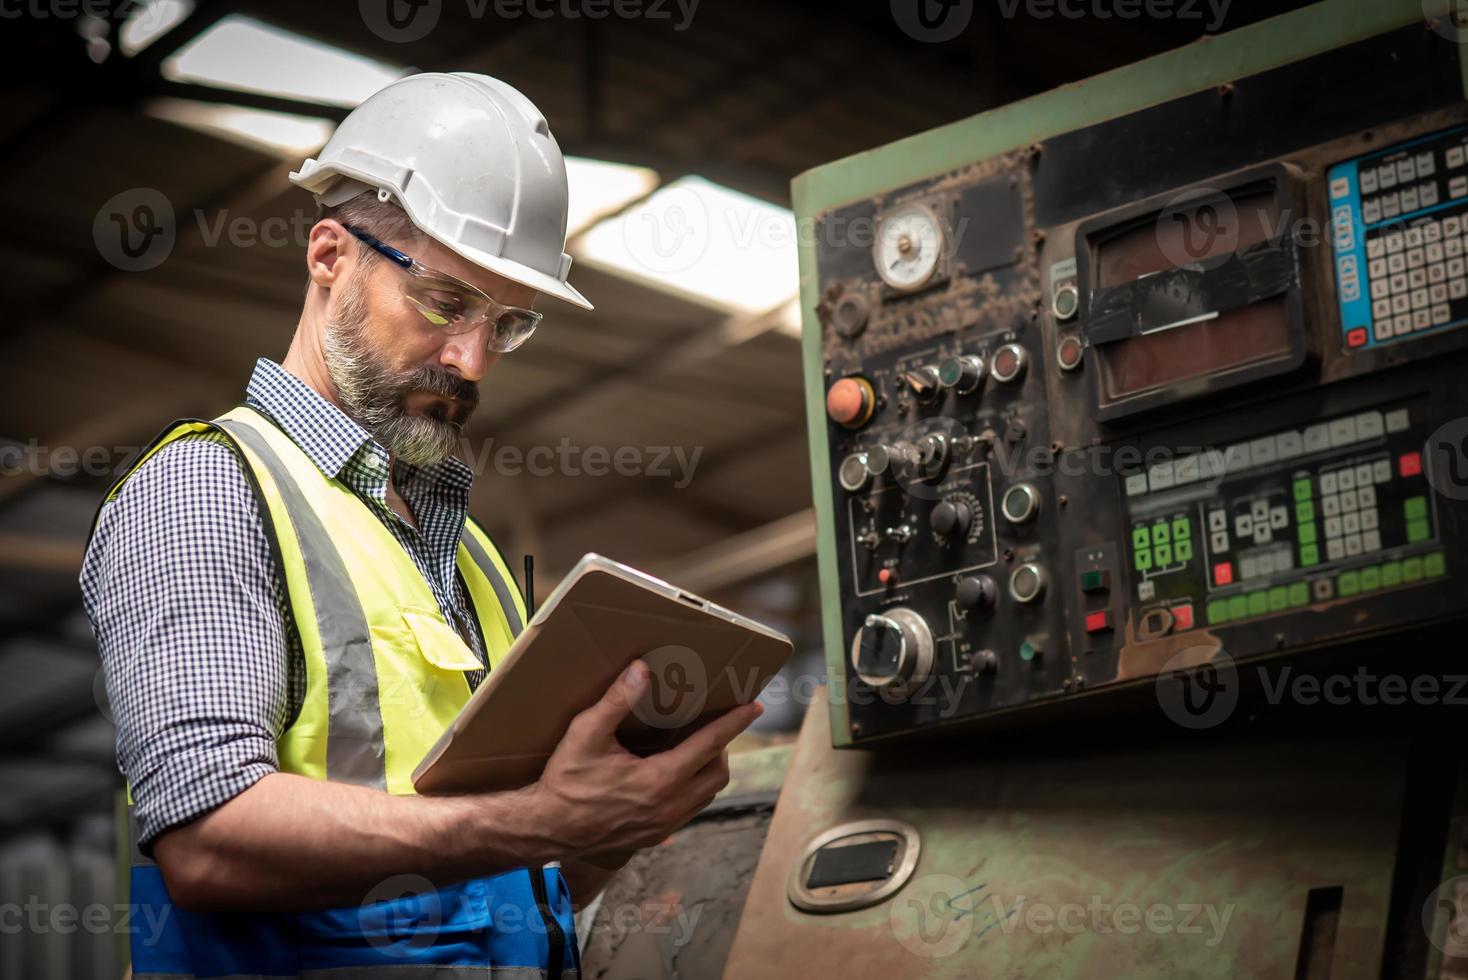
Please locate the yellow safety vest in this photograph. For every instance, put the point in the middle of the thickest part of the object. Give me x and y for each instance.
(385, 676)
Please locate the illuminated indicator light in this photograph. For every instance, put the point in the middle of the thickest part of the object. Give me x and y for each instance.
(1348, 584)
(1098, 621)
(1410, 464)
(1356, 337)
(1370, 579)
(1418, 531)
(1302, 489)
(1182, 617)
(1435, 564)
(1181, 528)
(1412, 570)
(1069, 354)
(1309, 554)
(1238, 607)
(1391, 574)
(1005, 363)
(1160, 534)
(1279, 598)
(1299, 594)
(1028, 651)
(1223, 573)
(1305, 511)
(1415, 508)
(1307, 533)
(1183, 551)
(1258, 603)
(1143, 559)
(886, 575)
(1163, 553)
(1218, 611)
(1140, 538)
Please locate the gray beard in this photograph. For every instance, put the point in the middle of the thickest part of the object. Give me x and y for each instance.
(373, 394)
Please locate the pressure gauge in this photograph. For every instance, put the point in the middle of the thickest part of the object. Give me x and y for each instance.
(909, 242)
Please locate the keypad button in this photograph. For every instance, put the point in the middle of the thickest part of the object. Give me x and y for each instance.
(1370, 519)
(1432, 233)
(1395, 241)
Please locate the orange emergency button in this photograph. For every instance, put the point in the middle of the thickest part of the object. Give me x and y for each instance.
(850, 402)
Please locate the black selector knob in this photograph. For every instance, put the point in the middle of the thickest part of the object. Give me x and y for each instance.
(951, 518)
(881, 655)
(924, 382)
(977, 593)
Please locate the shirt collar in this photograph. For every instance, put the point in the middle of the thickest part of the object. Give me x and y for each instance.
(328, 436)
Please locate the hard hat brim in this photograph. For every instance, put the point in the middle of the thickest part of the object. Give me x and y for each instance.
(516, 272)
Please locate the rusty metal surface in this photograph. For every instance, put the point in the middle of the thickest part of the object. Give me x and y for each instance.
(671, 913)
(1217, 848)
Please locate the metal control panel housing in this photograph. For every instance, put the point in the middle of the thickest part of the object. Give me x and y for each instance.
(1136, 417)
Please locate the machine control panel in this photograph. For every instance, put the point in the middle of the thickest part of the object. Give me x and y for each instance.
(1071, 434)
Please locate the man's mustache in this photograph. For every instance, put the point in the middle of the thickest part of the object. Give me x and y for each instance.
(441, 383)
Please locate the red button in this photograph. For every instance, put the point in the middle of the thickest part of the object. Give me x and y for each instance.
(1356, 337)
(886, 575)
(1098, 621)
(1223, 573)
(1182, 617)
(1410, 464)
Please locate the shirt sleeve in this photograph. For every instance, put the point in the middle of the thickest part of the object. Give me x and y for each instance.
(186, 603)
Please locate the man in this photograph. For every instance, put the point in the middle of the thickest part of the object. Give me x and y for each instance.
(291, 602)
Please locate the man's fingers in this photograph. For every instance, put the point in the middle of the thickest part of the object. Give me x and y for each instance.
(602, 718)
(694, 752)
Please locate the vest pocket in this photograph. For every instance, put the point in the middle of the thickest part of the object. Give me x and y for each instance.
(437, 640)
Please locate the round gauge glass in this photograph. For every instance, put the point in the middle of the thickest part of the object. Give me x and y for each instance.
(909, 243)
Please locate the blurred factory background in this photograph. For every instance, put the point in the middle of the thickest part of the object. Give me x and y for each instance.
(153, 248)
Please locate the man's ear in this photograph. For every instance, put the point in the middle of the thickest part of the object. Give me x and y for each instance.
(331, 253)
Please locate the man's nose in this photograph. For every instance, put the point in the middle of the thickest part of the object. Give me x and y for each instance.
(467, 353)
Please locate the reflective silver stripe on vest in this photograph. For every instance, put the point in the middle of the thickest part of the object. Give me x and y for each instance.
(496, 580)
(355, 752)
(397, 971)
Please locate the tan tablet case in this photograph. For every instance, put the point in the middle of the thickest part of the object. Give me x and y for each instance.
(704, 660)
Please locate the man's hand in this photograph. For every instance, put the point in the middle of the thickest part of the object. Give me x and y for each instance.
(597, 796)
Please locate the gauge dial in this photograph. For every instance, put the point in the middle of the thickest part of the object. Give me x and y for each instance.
(909, 242)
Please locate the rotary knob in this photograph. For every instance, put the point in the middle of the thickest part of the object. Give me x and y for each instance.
(963, 373)
(924, 382)
(1009, 363)
(976, 593)
(951, 518)
(893, 650)
(1021, 503)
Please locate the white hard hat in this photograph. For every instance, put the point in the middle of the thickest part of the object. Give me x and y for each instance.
(472, 162)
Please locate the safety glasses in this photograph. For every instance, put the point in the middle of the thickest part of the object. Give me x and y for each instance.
(453, 305)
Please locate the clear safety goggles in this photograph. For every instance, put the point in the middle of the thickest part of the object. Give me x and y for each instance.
(451, 304)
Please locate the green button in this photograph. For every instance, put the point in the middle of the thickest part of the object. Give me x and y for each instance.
(1218, 611)
(1299, 594)
(1258, 603)
(1302, 489)
(1238, 607)
(1307, 533)
(1415, 507)
(1435, 564)
(1140, 539)
(1163, 554)
(1027, 651)
(1094, 580)
(1305, 513)
(1182, 528)
(1309, 554)
(1370, 579)
(1143, 559)
(1412, 570)
(1391, 574)
(1279, 598)
(1183, 551)
(1159, 534)
(1418, 531)
(1348, 584)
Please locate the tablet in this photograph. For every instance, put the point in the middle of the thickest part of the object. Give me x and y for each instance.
(702, 659)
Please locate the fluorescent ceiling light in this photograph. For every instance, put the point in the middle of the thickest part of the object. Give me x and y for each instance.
(243, 53)
(702, 241)
(275, 132)
(151, 21)
(600, 188)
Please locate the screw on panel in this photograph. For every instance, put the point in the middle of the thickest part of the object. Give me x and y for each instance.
(1226, 90)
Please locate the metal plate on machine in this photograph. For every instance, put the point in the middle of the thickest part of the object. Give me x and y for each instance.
(1033, 865)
